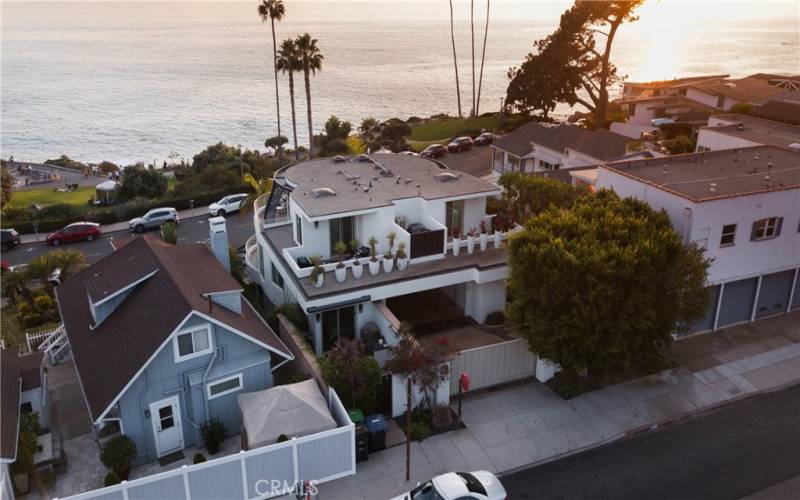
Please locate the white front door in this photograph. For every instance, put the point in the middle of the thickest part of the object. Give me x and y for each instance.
(166, 418)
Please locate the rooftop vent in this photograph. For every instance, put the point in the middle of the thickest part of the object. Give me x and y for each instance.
(363, 157)
(712, 186)
(447, 176)
(339, 159)
(349, 176)
(323, 191)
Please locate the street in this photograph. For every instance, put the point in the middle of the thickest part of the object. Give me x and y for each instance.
(728, 454)
(190, 230)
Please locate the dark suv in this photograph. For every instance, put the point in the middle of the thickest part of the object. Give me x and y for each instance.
(460, 144)
(10, 239)
(434, 151)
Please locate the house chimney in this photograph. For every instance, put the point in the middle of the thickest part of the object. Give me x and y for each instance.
(218, 238)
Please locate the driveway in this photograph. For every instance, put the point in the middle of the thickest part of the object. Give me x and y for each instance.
(477, 161)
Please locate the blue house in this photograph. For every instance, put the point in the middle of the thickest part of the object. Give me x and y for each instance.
(163, 341)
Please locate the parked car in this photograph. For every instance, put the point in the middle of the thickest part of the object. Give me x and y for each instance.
(434, 151)
(10, 239)
(77, 231)
(460, 144)
(480, 485)
(409, 153)
(484, 139)
(153, 219)
(229, 204)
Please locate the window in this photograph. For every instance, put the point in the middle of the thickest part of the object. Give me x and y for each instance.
(701, 149)
(720, 101)
(337, 323)
(548, 166)
(454, 217)
(276, 276)
(341, 230)
(515, 162)
(224, 386)
(681, 91)
(631, 109)
(26, 408)
(298, 229)
(728, 235)
(764, 229)
(192, 343)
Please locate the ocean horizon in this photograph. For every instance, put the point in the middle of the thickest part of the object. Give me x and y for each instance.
(143, 81)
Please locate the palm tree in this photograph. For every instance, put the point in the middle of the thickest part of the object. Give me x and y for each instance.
(312, 61)
(472, 39)
(455, 60)
(273, 10)
(258, 188)
(289, 62)
(483, 57)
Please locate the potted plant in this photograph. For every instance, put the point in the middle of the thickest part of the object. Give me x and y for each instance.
(317, 271)
(402, 257)
(392, 236)
(26, 449)
(456, 242)
(213, 434)
(358, 266)
(388, 262)
(471, 241)
(117, 455)
(484, 237)
(374, 263)
(341, 271)
(498, 235)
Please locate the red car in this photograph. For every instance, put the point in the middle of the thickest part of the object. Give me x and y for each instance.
(77, 231)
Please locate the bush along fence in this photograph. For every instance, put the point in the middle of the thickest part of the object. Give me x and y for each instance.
(264, 472)
(25, 221)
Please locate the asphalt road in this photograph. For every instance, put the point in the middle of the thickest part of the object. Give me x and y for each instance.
(190, 230)
(477, 161)
(727, 454)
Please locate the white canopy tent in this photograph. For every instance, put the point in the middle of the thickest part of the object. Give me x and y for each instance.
(105, 188)
(293, 410)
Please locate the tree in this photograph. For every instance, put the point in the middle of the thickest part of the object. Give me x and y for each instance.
(679, 145)
(333, 140)
(393, 135)
(472, 40)
(273, 10)
(289, 62)
(258, 188)
(527, 195)
(142, 183)
(455, 60)
(603, 285)
(568, 61)
(311, 59)
(275, 142)
(483, 57)
(7, 181)
(353, 374)
(107, 166)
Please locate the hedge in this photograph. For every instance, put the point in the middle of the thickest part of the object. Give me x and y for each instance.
(118, 213)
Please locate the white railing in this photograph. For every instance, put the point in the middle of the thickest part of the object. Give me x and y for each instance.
(264, 472)
(493, 364)
(44, 340)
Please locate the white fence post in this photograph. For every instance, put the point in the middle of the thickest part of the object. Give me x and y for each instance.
(295, 461)
(244, 473)
(125, 490)
(185, 474)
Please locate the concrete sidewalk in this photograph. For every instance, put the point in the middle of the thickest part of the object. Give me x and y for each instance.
(117, 226)
(529, 424)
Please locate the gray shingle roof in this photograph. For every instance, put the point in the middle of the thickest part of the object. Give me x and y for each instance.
(601, 144)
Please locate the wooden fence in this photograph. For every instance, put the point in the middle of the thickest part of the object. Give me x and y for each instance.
(493, 364)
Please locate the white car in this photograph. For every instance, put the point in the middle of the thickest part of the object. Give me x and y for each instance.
(480, 485)
(227, 205)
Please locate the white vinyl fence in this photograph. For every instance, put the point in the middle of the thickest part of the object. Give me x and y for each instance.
(493, 364)
(260, 473)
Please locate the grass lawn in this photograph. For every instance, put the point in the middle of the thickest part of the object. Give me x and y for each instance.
(49, 196)
(442, 131)
(420, 145)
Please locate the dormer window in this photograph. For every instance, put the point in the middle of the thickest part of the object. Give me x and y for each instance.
(192, 343)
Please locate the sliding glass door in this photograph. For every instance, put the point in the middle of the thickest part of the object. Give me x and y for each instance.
(338, 323)
(341, 230)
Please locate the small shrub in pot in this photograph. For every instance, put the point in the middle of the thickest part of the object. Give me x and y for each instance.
(199, 458)
(117, 455)
(213, 434)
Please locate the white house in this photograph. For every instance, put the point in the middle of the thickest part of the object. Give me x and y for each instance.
(534, 147)
(742, 131)
(743, 207)
(318, 203)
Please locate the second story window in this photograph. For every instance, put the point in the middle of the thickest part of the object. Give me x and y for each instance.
(276, 276)
(193, 343)
(298, 228)
(454, 217)
(728, 235)
(341, 230)
(764, 229)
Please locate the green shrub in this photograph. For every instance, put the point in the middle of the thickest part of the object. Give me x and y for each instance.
(419, 431)
(282, 438)
(198, 458)
(117, 455)
(213, 434)
(169, 233)
(496, 318)
(356, 382)
(293, 312)
(111, 479)
(57, 211)
(441, 417)
(569, 386)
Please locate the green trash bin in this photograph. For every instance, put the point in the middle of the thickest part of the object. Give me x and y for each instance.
(356, 416)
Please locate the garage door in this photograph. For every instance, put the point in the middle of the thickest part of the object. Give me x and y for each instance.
(707, 323)
(737, 302)
(773, 298)
(796, 297)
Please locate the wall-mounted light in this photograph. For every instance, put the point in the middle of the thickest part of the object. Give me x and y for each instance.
(360, 308)
(316, 224)
(318, 317)
(147, 413)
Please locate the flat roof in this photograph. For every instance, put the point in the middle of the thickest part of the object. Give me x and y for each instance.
(717, 174)
(758, 130)
(360, 185)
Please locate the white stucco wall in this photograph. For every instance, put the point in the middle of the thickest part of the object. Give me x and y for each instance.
(708, 138)
(484, 298)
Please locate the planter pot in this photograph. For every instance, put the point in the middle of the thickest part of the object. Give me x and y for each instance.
(456, 247)
(484, 240)
(402, 263)
(498, 239)
(470, 244)
(374, 267)
(358, 271)
(320, 280)
(341, 274)
(388, 265)
(22, 483)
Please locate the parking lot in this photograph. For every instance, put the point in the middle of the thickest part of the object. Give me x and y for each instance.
(477, 161)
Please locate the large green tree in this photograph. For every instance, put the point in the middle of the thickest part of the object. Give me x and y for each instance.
(7, 185)
(289, 62)
(526, 195)
(603, 285)
(311, 59)
(142, 183)
(274, 10)
(573, 64)
(333, 140)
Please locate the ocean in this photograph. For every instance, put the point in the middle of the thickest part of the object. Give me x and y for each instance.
(144, 81)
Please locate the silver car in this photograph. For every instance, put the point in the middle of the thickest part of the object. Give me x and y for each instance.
(153, 219)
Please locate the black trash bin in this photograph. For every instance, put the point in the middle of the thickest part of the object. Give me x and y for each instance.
(362, 443)
(377, 432)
